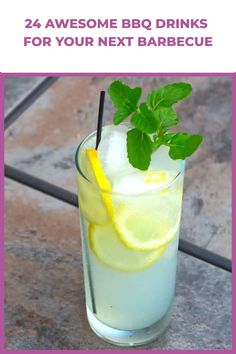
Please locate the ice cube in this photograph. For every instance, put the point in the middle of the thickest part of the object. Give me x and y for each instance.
(161, 161)
(141, 182)
(113, 153)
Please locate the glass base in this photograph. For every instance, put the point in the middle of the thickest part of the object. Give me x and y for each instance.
(127, 337)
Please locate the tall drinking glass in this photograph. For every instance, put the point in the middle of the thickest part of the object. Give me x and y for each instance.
(130, 243)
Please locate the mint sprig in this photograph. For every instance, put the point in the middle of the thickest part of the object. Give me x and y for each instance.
(151, 120)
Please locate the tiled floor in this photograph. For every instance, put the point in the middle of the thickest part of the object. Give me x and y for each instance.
(18, 87)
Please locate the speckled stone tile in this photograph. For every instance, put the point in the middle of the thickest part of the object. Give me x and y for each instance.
(45, 302)
(44, 139)
(18, 87)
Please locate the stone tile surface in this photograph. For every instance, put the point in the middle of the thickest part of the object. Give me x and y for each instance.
(45, 302)
(17, 87)
(44, 139)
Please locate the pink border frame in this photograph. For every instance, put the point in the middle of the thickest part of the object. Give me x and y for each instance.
(2, 75)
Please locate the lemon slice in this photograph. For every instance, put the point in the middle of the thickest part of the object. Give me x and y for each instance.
(156, 177)
(106, 245)
(95, 203)
(101, 179)
(143, 231)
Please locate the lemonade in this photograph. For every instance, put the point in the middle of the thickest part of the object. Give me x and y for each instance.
(130, 228)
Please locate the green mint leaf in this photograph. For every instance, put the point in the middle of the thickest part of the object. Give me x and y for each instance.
(124, 112)
(183, 145)
(166, 117)
(139, 149)
(167, 95)
(119, 92)
(124, 98)
(144, 120)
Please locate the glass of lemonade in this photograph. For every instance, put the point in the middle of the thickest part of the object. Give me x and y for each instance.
(130, 228)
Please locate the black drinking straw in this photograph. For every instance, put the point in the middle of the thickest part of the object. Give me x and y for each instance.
(100, 118)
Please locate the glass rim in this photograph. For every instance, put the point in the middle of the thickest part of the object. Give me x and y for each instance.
(157, 189)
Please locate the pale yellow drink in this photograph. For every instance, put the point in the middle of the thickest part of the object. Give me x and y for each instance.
(130, 230)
